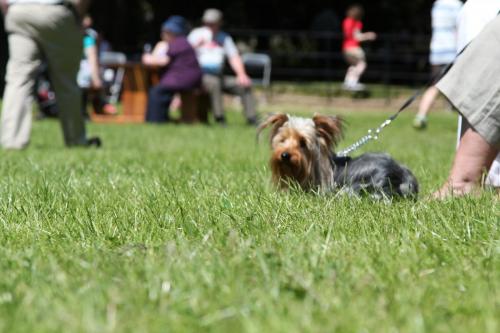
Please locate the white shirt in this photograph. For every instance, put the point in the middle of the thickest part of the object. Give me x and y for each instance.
(473, 17)
(212, 50)
(444, 31)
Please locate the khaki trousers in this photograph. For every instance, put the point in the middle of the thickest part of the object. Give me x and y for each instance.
(217, 85)
(37, 33)
(472, 84)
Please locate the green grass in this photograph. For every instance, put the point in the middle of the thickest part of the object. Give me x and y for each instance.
(176, 228)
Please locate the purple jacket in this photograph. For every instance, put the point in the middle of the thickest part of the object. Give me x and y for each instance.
(183, 72)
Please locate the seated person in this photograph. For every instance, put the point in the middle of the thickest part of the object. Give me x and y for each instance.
(89, 75)
(212, 47)
(182, 71)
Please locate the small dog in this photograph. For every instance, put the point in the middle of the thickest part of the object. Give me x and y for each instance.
(302, 153)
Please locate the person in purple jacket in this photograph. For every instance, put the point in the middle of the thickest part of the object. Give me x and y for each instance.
(181, 69)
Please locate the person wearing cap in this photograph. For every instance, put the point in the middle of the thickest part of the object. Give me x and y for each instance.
(181, 69)
(213, 46)
(43, 30)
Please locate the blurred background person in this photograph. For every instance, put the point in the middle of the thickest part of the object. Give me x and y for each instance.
(89, 75)
(41, 30)
(213, 46)
(352, 28)
(181, 69)
(443, 51)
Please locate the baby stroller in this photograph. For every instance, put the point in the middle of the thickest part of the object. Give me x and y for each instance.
(44, 95)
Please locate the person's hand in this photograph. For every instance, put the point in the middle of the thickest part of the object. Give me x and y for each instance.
(4, 6)
(147, 59)
(370, 35)
(97, 84)
(243, 80)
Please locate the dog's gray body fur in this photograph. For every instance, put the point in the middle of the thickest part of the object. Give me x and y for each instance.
(375, 174)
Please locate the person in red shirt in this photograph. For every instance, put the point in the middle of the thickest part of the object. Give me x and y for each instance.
(353, 53)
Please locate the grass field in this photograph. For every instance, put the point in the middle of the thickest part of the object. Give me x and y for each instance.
(176, 228)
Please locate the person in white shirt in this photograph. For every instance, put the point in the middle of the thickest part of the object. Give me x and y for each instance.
(43, 30)
(213, 46)
(442, 51)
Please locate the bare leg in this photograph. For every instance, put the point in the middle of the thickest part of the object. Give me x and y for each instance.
(359, 70)
(425, 106)
(474, 156)
(427, 101)
(350, 76)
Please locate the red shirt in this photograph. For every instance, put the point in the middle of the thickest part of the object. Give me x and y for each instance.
(350, 26)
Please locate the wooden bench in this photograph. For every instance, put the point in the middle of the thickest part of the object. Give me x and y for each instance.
(195, 106)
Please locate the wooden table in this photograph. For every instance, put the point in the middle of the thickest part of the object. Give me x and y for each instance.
(134, 97)
(137, 80)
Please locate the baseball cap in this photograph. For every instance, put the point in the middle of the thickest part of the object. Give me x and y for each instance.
(175, 24)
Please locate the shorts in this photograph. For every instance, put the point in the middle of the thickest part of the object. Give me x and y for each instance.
(354, 55)
(472, 85)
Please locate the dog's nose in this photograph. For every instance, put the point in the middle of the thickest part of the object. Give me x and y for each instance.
(285, 156)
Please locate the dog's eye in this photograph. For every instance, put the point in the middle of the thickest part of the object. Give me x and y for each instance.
(303, 143)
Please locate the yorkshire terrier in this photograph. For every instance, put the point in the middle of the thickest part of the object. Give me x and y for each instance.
(303, 153)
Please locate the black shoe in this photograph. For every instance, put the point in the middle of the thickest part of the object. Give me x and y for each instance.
(252, 122)
(94, 142)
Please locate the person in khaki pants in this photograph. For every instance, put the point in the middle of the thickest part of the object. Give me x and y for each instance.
(213, 46)
(42, 30)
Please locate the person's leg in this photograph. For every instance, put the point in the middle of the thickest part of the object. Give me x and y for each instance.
(24, 59)
(97, 103)
(61, 41)
(100, 103)
(473, 158)
(472, 86)
(231, 86)
(159, 100)
(350, 76)
(428, 99)
(359, 70)
(213, 85)
(85, 100)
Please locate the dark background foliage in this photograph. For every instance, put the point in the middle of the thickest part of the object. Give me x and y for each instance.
(129, 23)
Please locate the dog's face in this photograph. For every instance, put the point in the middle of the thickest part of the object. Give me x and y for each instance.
(298, 143)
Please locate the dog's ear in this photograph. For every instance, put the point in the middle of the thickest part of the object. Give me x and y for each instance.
(329, 128)
(276, 121)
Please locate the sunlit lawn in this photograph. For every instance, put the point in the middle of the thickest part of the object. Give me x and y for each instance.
(176, 228)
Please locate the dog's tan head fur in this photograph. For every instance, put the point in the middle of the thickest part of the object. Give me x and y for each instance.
(301, 149)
